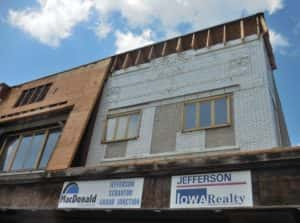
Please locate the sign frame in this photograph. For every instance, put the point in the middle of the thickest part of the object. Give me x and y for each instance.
(124, 193)
(212, 190)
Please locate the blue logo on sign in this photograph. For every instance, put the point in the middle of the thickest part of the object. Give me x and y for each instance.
(71, 188)
(191, 196)
(71, 194)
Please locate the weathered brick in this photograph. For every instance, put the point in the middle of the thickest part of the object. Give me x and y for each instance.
(78, 88)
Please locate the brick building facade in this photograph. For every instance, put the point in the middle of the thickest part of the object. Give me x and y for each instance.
(169, 120)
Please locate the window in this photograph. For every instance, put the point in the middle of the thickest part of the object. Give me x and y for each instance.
(207, 113)
(28, 150)
(33, 95)
(122, 127)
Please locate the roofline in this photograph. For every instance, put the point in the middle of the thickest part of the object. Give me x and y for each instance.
(189, 33)
(128, 51)
(61, 72)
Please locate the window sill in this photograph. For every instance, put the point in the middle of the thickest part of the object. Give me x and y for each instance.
(25, 172)
(206, 128)
(201, 152)
(120, 140)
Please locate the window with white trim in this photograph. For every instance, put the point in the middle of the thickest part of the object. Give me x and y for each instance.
(206, 113)
(122, 127)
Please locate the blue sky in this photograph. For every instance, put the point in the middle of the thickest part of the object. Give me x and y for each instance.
(40, 37)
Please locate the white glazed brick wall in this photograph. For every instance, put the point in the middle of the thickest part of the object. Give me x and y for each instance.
(254, 125)
(142, 146)
(97, 149)
(188, 73)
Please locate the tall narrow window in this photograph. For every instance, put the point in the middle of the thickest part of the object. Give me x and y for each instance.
(8, 150)
(22, 152)
(133, 127)
(52, 140)
(33, 153)
(207, 113)
(190, 116)
(122, 127)
(28, 150)
(110, 132)
(221, 111)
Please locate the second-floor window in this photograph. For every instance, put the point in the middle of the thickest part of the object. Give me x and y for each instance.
(122, 127)
(206, 113)
(28, 150)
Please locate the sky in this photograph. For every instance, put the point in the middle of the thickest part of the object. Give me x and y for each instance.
(42, 37)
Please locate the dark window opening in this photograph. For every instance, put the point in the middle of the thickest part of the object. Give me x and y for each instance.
(33, 95)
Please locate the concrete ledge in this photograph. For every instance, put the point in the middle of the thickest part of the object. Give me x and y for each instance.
(161, 166)
(279, 167)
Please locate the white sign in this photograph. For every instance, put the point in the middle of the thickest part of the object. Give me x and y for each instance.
(123, 193)
(212, 190)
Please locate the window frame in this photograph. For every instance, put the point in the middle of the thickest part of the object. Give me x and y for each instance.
(117, 116)
(212, 100)
(20, 135)
(33, 95)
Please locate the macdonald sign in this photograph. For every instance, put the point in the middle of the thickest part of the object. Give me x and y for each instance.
(122, 193)
(211, 190)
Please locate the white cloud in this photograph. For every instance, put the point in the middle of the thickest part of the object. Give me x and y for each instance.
(54, 20)
(127, 41)
(274, 5)
(170, 13)
(278, 41)
(103, 29)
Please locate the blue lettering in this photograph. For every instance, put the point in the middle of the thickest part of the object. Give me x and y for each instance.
(205, 178)
(190, 196)
(200, 196)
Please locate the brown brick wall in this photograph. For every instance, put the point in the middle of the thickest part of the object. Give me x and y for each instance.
(77, 88)
(33, 195)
